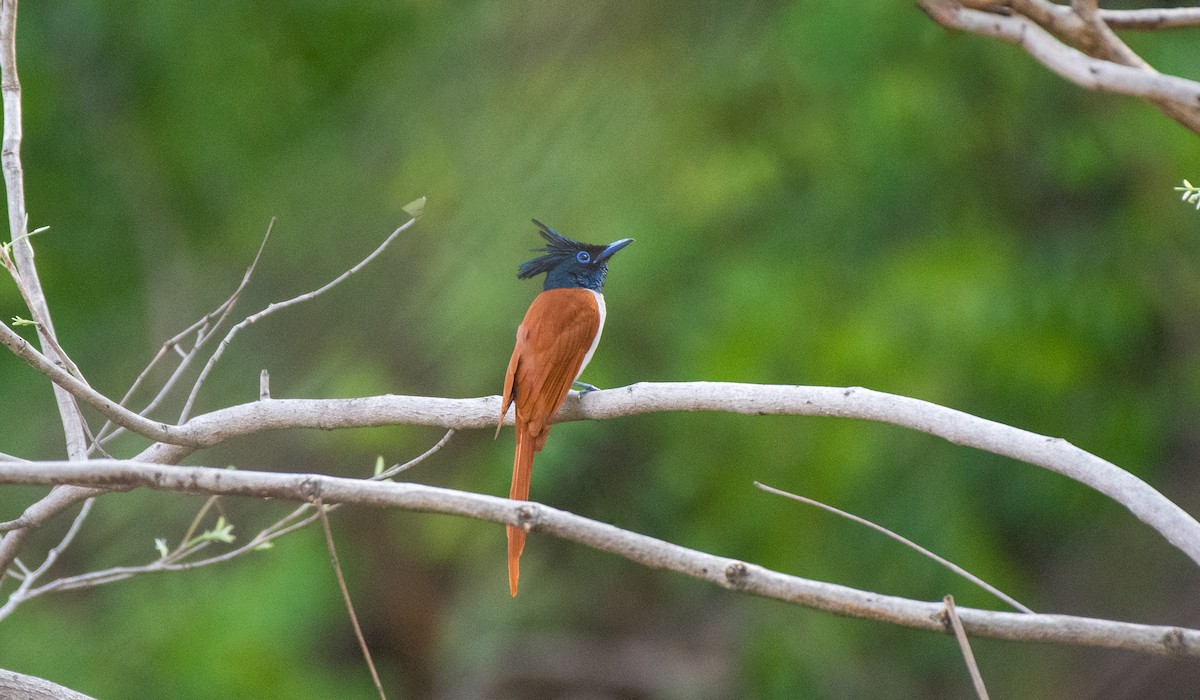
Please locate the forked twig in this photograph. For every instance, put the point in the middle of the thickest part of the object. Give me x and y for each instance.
(903, 540)
(191, 531)
(1078, 43)
(279, 306)
(177, 559)
(29, 577)
(203, 330)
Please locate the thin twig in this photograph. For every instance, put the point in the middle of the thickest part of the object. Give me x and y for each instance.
(279, 306)
(28, 577)
(191, 531)
(177, 560)
(902, 540)
(72, 531)
(203, 330)
(337, 569)
(397, 468)
(965, 645)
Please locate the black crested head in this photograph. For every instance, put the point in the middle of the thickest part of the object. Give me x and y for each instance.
(569, 263)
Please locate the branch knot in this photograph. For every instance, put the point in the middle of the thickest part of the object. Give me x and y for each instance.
(737, 574)
(311, 487)
(1174, 642)
(529, 516)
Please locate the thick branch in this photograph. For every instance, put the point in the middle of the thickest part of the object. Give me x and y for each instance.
(1054, 454)
(17, 685)
(728, 573)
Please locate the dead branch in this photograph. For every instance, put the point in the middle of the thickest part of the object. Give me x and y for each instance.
(1173, 523)
(1055, 454)
(648, 551)
(1077, 43)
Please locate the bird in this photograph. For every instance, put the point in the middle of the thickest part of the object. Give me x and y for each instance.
(555, 342)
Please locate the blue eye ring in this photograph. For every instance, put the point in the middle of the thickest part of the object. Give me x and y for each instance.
(583, 257)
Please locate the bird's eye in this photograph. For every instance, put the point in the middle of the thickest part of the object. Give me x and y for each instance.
(583, 257)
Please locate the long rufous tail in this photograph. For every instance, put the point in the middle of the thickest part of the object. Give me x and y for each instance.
(522, 469)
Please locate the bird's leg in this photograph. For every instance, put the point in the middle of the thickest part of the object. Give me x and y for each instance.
(584, 387)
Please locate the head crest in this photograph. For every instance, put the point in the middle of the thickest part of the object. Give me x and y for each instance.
(557, 248)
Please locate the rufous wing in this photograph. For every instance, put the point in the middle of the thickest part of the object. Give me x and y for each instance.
(553, 340)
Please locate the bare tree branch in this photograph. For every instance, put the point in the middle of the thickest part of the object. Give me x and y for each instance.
(14, 185)
(1055, 454)
(1152, 18)
(30, 578)
(117, 413)
(651, 552)
(179, 558)
(1096, 58)
(18, 685)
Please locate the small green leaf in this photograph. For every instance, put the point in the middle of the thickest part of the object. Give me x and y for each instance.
(416, 207)
(161, 545)
(221, 532)
(18, 321)
(1191, 193)
(378, 465)
(264, 545)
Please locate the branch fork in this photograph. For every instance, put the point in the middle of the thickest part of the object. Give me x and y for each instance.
(1078, 43)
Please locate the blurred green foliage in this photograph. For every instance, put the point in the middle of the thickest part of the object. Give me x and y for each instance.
(822, 193)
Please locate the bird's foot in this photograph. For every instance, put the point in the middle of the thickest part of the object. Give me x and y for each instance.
(585, 388)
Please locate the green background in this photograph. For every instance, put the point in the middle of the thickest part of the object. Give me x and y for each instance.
(822, 193)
